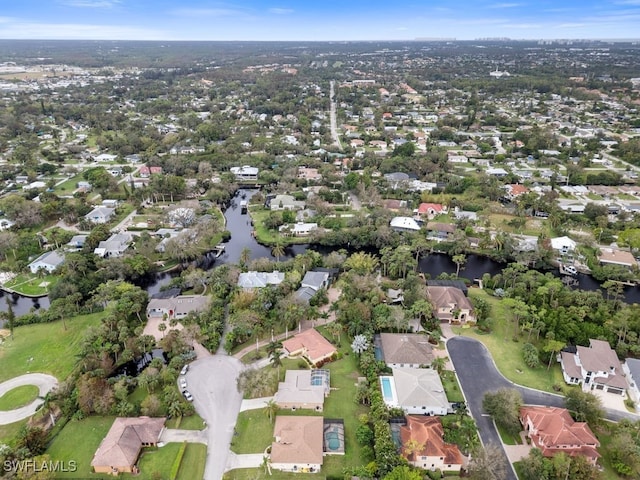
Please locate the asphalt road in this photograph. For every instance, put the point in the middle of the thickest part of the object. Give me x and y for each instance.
(213, 383)
(478, 374)
(44, 382)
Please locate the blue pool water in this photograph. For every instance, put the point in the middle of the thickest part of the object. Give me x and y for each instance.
(386, 388)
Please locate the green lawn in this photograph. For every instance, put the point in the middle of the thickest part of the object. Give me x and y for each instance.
(8, 433)
(78, 441)
(157, 462)
(255, 432)
(266, 236)
(193, 462)
(506, 353)
(18, 397)
(45, 347)
(33, 285)
(451, 386)
(69, 186)
(507, 438)
(193, 422)
(260, 474)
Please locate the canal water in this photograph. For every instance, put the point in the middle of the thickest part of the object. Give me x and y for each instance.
(239, 224)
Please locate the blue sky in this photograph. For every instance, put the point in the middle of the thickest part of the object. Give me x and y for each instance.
(318, 19)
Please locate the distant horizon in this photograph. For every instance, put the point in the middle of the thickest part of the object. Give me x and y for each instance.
(330, 21)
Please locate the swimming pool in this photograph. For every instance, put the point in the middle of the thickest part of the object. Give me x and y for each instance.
(387, 391)
(333, 440)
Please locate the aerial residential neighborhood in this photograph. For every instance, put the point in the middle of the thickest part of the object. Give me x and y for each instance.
(384, 260)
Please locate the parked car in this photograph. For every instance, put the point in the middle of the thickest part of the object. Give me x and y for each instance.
(183, 383)
(184, 370)
(187, 395)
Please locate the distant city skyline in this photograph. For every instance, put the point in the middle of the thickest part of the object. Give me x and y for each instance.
(329, 20)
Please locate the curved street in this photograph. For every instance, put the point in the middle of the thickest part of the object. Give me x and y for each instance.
(45, 384)
(478, 374)
(213, 383)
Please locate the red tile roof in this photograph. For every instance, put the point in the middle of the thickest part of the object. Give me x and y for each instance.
(310, 343)
(428, 431)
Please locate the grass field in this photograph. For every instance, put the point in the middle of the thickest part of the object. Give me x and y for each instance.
(506, 353)
(78, 441)
(45, 347)
(69, 186)
(193, 462)
(9, 432)
(18, 397)
(451, 387)
(255, 432)
(193, 422)
(32, 284)
(270, 237)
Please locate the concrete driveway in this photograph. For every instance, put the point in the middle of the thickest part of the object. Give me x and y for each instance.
(213, 383)
(45, 384)
(175, 435)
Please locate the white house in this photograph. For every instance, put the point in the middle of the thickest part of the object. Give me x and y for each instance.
(48, 261)
(299, 229)
(631, 368)
(404, 224)
(245, 173)
(563, 245)
(100, 214)
(595, 367)
(417, 391)
(114, 246)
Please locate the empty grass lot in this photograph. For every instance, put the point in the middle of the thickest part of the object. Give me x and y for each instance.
(18, 397)
(32, 285)
(506, 353)
(45, 347)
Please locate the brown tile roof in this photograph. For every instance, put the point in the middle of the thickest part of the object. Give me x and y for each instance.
(297, 440)
(312, 343)
(448, 296)
(617, 257)
(441, 227)
(554, 429)
(428, 431)
(412, 348)
(122, 444)
(600, 357)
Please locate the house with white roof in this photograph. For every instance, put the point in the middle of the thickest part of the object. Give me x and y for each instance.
(563, 245)
(100, 215)
(48, 261)
(253, 279)
(245, 173)
(417, 391)
(404, 224)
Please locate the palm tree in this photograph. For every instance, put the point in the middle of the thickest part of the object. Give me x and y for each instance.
(335, 329)
(459, 260)
(271, 409)
(245, 256)
(278, 251)
(162, 327)
(438, 364)
(274, 352)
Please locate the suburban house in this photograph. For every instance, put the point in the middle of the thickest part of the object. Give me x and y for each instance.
(253, 279)
(110, 203)
(298, 229)
(434, 453)
(309, 173)
(430, 210)
(119, 450)
(114, 246)
(100, 215)
(312, 282)
(393, 204)
(245, 173)
(76, 242)
(610, 256)
(177, 307)
(440, 231)
(311, 345)
(631, 368)
(552, 430)
(404, 224)
(285, 202)
(594, 367)
(146, 172)
(450, 305)
(513, 191)
(303, 389)
(404, 349)
(417, 391)
(48, 261)
(563, 245)
(298, 444)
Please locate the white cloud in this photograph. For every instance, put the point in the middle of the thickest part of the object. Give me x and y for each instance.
(505, 5)
(206, 12)
(90, 3)
(74, 31)
(281, 11)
